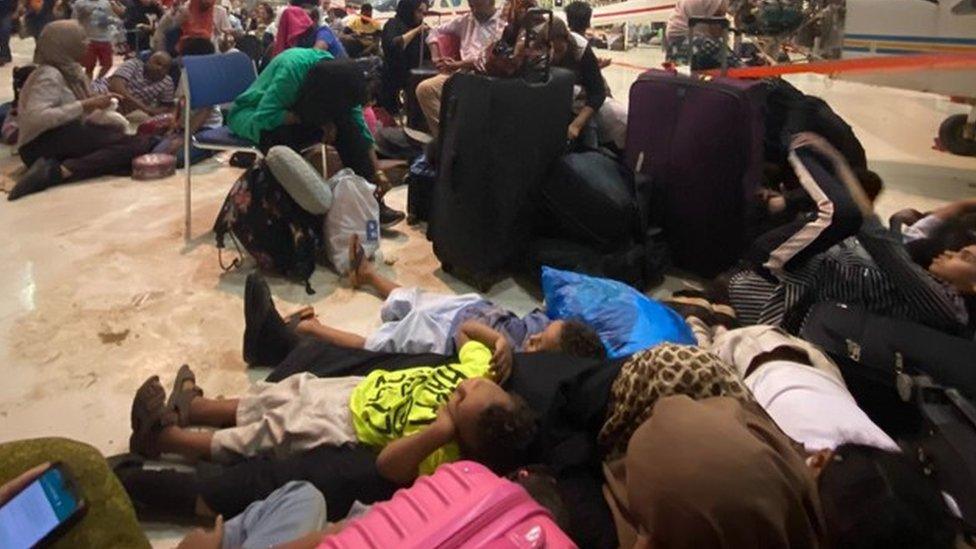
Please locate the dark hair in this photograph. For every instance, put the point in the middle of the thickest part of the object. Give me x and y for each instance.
(330, 90)
(950, 235)
(502, 435)
(579, 339)
(197, 46)
(366, 8)
(875, 498)
(578, 16)
(541, 485)
(870, 181)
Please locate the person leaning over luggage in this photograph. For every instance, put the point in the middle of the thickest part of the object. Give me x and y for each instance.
(56, 141)
(402, 42)
(719, 473)
(416, 419)
(265, 114)
(599, 118)
(476, 31)
(815, 259)
(415, 321)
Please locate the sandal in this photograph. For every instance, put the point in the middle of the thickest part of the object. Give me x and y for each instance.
(180, 398)
(149, 415)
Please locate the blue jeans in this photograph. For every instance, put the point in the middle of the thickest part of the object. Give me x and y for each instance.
(290, 512)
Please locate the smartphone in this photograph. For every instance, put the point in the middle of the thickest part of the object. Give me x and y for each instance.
(42, 511)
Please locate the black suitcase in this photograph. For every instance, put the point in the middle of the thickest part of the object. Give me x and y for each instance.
(916, 383)
(498, 139)
(590, 198)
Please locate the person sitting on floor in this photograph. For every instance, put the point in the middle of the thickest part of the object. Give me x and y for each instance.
(599, 119)
(361, 33)
(415, 321)
(476, 31)
(56, 141)
(418, 418)
(812, 259)
(719, 473)
(143, 86)
(265, 114)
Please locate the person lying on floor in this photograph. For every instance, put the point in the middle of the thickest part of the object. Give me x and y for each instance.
(813, 258)
(266, 114)
(719, 473)
(417, 418)
(58, 140)
(415, 321)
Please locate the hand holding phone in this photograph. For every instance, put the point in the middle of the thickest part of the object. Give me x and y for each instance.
(38, 506)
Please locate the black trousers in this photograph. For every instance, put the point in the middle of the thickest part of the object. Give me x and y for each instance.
(86, 150)
(836, 218)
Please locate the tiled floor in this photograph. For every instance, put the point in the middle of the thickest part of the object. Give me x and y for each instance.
(98, 289)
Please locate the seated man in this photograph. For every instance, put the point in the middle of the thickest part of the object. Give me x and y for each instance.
(417, 418)
(360, 34)
(477, 31)
(143, 86)
(416, 321)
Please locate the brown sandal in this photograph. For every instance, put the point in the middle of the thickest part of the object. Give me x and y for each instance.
(358, 255)
(180, 398)
(149, 416)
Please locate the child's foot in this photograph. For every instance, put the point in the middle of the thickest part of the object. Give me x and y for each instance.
(359, 267)
(185, 389)
(149, 416)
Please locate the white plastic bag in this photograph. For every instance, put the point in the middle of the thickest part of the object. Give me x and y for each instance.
(354, 211)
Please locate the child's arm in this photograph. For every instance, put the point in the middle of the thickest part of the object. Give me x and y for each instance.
(501, 358)
(400, 460)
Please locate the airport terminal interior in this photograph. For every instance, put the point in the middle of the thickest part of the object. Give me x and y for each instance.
(100, 289)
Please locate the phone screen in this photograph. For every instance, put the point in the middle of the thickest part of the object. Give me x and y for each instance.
(34, 512)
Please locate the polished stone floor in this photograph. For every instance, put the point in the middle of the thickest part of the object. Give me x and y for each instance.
(98, 289)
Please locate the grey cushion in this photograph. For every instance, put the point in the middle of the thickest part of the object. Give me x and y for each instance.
(300, 180)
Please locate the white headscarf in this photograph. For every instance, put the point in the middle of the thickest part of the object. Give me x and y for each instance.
(686, 9)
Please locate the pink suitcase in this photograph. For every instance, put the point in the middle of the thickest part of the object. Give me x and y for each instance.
(462, 504)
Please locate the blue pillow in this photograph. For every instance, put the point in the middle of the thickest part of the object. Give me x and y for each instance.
(627, 320)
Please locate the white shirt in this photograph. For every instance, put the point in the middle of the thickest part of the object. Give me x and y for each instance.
(813, 408)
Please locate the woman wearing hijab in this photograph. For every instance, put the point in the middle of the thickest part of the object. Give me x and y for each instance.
(402, 43)
(705, 40)
(295, 29)
(719, 473)
(56, 142)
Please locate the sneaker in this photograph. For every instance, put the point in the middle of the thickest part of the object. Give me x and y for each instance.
(389, 217)
(44, 173)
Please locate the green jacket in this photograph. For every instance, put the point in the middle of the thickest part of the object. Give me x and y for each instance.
(262, 106)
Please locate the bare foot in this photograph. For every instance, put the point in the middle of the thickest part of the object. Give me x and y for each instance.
(359, 266)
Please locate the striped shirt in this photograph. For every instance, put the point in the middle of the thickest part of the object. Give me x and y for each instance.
(141, 87)
(872, 270)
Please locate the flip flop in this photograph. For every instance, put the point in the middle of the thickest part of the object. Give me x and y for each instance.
(180, 398)
(149, 416)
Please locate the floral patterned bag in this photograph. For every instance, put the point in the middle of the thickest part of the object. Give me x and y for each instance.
(261, 216)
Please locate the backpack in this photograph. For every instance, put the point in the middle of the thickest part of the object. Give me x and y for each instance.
(261, 216)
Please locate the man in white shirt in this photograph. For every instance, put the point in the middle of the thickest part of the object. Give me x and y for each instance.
(476, 32)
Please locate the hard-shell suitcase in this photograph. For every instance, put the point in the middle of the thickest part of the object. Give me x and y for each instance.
(590, 198)
(498, 139)
(462, 504)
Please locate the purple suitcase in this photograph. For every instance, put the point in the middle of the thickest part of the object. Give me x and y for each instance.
(701, 142)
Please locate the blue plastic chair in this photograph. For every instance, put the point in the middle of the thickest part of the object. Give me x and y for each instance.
(208, 81)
